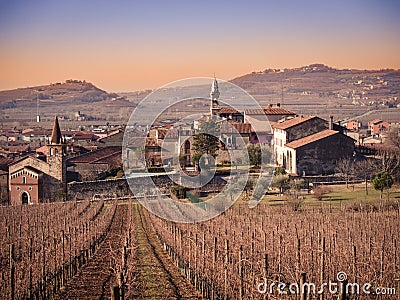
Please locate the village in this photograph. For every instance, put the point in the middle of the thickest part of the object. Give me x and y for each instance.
(43, 164)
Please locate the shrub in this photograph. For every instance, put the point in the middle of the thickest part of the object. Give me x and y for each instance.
(320, 191)
(294, 201)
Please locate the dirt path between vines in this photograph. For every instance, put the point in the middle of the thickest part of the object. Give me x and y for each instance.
(94, 279)
(156, 277)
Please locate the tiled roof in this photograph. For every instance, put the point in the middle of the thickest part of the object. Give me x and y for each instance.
(15, 149)
(95, 155)
(375, 121)
(151, 142)
(4, 162)
(42, 149)
(112, 159)
(275, 110)
(311, 138)
(240, 127)
(228, 110)
(254, 111)
(292, 122)
(81, 135)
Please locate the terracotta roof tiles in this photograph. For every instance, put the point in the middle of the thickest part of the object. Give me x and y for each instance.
(292, 122)
(311, 138)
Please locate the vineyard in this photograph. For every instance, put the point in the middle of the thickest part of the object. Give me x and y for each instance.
(85, 250)
(229, 256)
(43, 246)
(93, 250)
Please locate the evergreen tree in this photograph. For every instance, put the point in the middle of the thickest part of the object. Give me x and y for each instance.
(207, 141)
(382, 181)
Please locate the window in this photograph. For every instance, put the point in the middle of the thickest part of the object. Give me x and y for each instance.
(23, 180)
(30, 188)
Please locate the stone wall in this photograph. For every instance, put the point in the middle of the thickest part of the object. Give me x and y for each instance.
(88, 189)
(112, 187)
(119, 187)
(307, 128)
(322, 156)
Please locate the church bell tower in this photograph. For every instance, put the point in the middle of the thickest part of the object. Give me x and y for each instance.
(56, 156)
(214, 95)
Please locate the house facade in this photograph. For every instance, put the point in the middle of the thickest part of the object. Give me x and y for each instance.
(293, 129)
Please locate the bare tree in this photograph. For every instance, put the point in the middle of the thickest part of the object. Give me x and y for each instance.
(394, 137)
(345, 167)
(390, 162)
(365, 169)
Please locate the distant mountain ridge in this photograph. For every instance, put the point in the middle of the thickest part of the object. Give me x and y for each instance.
(68, 92)
(321, 82)
(313, 89)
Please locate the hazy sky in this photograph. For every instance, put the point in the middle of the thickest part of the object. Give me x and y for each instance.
(131, 45)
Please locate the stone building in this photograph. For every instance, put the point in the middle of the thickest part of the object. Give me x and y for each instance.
(310, 145)
(297, 128)
(317, 153)
(40, 179)
(95, 165)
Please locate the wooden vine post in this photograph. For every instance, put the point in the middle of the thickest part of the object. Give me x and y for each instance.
(12, 273)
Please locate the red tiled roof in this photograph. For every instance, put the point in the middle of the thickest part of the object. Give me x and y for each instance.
(254, 111)
(278, 111)
(240, 127)
(228, 110)
(375, 121)
(4, 162)
(15, 143)
(84, 136)
(95, 155)
(292, 122)
(14, 149)
(311, 138)
(162, 132)
(42, 149)
(151, 141)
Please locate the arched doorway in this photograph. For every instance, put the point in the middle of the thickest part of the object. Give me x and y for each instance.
(25, 198)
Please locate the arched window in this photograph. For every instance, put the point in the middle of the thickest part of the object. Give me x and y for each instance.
(23, 179)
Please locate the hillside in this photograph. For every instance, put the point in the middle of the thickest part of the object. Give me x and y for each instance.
(311, 90)
(322, 83)
(69, 92)
(65, 100)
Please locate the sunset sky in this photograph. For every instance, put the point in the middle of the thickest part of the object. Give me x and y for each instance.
(134, 45)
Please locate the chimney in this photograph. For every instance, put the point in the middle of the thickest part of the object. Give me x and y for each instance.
(331, 122)
(278, 104)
